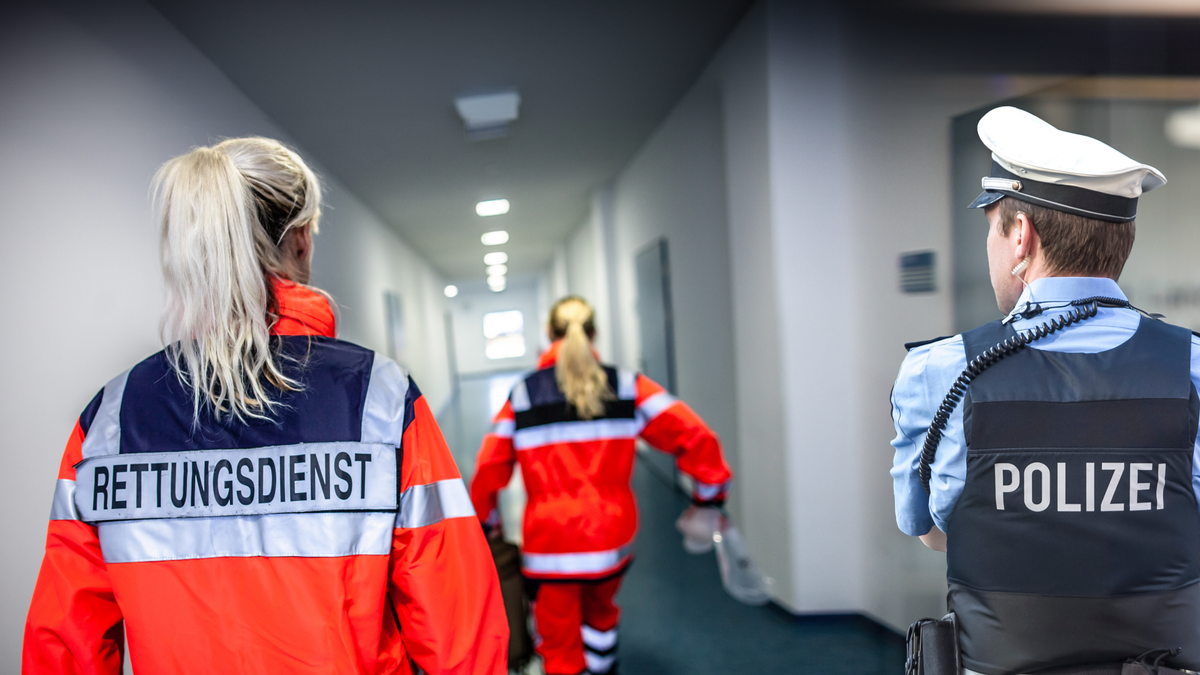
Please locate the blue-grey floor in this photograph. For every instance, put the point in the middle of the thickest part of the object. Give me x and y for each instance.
(677, 619)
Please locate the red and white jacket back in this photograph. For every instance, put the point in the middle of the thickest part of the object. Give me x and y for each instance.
(581, 517)
(337, 538)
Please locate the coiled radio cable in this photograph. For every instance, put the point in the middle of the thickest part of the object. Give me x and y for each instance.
(1084, 309)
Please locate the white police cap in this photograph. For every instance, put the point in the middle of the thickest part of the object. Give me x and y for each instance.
(1034, 162)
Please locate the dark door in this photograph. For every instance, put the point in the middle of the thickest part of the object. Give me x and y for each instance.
(654, 314)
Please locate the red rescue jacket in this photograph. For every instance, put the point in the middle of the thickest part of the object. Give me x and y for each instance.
(338, 538)
(581, 517)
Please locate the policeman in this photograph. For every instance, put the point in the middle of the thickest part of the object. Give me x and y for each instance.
(1058, 444)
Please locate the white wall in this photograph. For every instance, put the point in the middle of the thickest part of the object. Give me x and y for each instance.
(587, 275)
(813, 258)
(94, 101)
(357, 259)
(675, 188)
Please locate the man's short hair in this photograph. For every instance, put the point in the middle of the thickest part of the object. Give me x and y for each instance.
(1074, 245)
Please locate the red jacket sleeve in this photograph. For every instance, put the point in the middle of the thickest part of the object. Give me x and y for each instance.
(494, 465)
(74, 624)
(670, 425)
(443, 579)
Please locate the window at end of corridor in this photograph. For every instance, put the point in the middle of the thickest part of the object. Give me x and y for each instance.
(505, 334)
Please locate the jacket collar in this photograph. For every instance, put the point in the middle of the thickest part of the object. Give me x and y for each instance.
(302, 310)
(550, 356)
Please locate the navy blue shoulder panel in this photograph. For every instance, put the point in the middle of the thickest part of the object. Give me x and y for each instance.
(978, 340)
(542, 386)
(89, 413)
(410, 397)
(1154, 363)
(549, 406)
(156, 412)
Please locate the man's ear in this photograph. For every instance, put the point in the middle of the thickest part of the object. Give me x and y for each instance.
(1027, 237)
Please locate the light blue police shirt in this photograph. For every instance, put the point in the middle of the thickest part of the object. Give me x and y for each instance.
(928, 371)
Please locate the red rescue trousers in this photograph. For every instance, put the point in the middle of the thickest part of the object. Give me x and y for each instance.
(559, 611)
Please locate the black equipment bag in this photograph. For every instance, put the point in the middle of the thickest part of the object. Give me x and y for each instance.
(512, 586)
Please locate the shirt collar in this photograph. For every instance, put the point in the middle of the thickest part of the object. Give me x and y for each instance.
(1066, 289)
(302, 310)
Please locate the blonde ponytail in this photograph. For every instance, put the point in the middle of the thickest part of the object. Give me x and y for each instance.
(582, 381)
(224, 211)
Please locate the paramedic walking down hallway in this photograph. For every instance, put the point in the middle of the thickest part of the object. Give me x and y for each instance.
(571, 425)
(259, 497)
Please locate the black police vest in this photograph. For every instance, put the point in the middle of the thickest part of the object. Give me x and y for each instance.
(1076, 539)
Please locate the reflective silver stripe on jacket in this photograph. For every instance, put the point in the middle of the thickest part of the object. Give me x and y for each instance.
(424, 505)
(707, 491)
(304, 477)
(298, 535)
(574, 432)
(520, 397)
(652, 407)
(575, 563)
(626, 384)
(63, 507)
(383, 408)
(103, 437)
(503, 428)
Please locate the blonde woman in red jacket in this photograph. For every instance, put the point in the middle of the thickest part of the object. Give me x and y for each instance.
(259, 497)
(571, 425)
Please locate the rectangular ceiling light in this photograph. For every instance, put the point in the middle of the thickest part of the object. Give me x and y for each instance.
(488, 116)
(492, 207)
(494, 238)
(495, 258)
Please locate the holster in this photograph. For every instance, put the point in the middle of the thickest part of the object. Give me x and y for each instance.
(933, 647)
(1135, 668)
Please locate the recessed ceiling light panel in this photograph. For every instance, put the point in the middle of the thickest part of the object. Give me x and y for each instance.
(492, 207)
(450, 291)
(495, 258)
(488, 116)
(494, 238)
(497, 270)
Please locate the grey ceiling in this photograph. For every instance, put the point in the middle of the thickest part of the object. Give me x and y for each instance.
(368, 88)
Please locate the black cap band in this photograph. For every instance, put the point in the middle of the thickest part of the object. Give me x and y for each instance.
(1066, 198)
